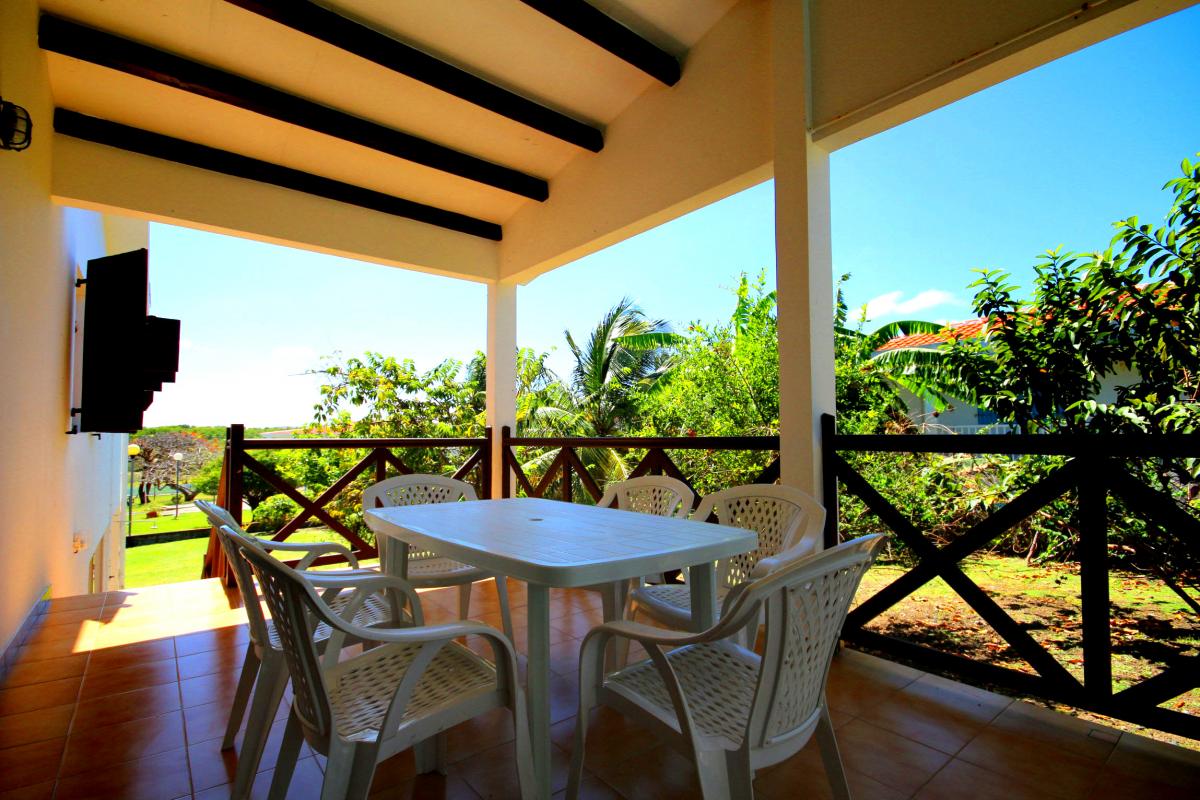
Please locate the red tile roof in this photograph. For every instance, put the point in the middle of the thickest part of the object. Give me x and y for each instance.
(955, 330)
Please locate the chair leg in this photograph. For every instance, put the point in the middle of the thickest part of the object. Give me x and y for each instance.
(591, 671)
(339, 766)
(362, 771)
(464, 600)
(505, 610)
(289, 751)
(430, 755)
(523, 746)
(741, 777)
(268, 692)
(713, 772)
(830, 756)
(241, 697)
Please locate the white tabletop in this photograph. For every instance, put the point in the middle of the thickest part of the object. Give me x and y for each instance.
(555, 543)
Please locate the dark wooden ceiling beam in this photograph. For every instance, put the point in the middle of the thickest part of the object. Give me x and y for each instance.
(365, 42)
(107, 50)
(157, 145)
(601, 29)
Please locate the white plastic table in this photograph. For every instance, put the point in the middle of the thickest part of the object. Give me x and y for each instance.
(550, 543)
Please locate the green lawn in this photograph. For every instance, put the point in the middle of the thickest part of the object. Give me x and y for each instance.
(187, 521)
(174, 562)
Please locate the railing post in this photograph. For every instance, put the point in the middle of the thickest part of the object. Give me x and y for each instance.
(380, 465)
(829, 480)
(566, 477)
(505, 472)
(485, 464)
(236, 440)
(1093, 583)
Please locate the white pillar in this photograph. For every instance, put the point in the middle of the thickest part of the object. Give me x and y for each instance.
(803, 255)
(501, 368)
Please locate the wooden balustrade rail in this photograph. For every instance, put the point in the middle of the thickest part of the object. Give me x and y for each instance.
(379, 459)
(1092, 473)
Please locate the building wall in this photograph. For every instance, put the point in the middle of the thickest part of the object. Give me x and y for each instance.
(53, 486)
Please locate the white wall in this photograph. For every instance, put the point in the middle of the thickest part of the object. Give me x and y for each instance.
(52, 485)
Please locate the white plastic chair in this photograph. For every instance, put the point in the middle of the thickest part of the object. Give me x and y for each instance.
(264, 672)
(731, 710)
(426, 569)
(785, 519)
(660, 495)
(405, 691)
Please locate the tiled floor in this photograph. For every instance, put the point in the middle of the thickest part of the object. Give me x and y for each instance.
(126, 696)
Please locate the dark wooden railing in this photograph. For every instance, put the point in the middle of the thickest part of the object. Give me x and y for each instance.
(1092, 472)
(567, 464)
(380, 459)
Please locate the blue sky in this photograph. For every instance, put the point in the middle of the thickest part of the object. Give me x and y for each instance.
(1046, 159)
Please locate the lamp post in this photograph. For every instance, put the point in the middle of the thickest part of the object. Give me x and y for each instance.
(133, 451)
(177, 457)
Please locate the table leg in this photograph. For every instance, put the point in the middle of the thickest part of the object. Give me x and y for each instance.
(703, 580)
(537, 684)
(614, 596)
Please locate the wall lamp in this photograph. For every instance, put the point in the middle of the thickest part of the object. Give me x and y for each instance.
(16, 128)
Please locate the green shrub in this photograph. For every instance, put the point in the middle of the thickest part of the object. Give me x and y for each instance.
(273, 513)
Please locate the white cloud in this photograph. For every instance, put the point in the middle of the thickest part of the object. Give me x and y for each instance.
(891, 304)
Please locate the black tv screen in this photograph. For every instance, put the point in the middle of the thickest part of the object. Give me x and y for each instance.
(127, 354)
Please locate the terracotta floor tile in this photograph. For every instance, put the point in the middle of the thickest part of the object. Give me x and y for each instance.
(27, 673)
(216, 639)
(894, 761)
(1032, 763)
(592, 788)
(162, 776)
(127, 741)
(427, 787)
(1140, 758)
(30, 764)
(803, 775)
(1117, 785)
(210, 661)
(305, 785)
(493, 773)
(74, 617)
(212, 766)
(80, 634)
(151, 701)
(657, 774)
(40, 791)
(577, 625)
(487, 730)
(960, 779)
(56, 648)
(936, 712)
(856, 693)
(20, 699)
(127, 679)
(612, 738)
(74, 603)
(36, 726)
(207, 721)
(395, 771)
(1072, 734)
(564, 657)
(217, 687)
(129, 655)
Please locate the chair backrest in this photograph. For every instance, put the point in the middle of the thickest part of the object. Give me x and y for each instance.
(806, 603)
(296, 612)
(221, 520)
(660, 495)
(217, 515)
(782, 516)
(412, 490)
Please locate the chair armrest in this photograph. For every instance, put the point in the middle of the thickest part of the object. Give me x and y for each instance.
(647, 634)
(313, 551)
(802, 549)
(364, 584)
